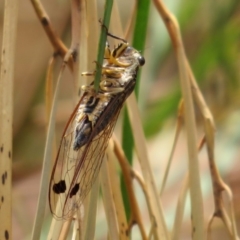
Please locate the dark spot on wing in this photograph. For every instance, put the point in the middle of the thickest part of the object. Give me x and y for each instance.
(59, 187)
(74, 190)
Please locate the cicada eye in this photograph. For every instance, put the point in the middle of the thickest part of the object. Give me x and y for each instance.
(141, 60)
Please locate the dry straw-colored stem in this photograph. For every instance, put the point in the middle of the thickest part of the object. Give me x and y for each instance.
(57, 43)
(6, 115)
(142, 184)
(177, 132)
(108, 201)
(127, 174)
(180, 209)
(116, 193)
(157, 218)
(194, 174)
(181, 202)
(49, 87)
(46, 166)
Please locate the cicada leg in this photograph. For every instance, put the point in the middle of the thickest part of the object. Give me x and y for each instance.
(88, 88)
(88, 74)
(109, 87)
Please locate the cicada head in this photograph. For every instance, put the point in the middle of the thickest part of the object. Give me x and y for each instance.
(132, 56)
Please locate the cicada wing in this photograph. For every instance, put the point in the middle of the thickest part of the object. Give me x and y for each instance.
(76, 171)
(64, 161)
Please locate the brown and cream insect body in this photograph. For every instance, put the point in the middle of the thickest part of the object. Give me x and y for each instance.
(88, 130)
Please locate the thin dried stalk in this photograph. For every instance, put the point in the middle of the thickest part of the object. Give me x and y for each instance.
(117, 198)
(91, 211)
(142, 184)
(57, 43)
(49, 97)
(177, 132)
(59, 230)
(76, 228)
(46, 166)
(130, 24)
(108, 201)
(6, 115)
(92, 33)
(194, 174)
(49, 87)
(218, 184)
(79, 44)
(156, 216)
(180, 209)
(127, 173)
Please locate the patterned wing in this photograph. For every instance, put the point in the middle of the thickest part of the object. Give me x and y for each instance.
(74, 172)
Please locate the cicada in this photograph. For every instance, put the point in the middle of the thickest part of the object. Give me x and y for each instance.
(89, 128)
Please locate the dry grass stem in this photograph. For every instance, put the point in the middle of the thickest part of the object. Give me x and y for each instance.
(130, 24)
(56, 42)
(91, 211)
(142, 184)
(194, 176)
(76, 235)
(92, 32)
(116, 191)
(177, 132)
(219, 186)
(61, 230)
(46, 164)
(141, 149)
(6, 114)
(49, 87)
(79, 35)
(127, 174)
(109, 207)
(180, 209)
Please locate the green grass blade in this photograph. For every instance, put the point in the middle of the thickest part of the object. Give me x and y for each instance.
(102, 42)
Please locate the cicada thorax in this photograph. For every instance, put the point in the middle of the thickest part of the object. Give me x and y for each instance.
(91, 125)
(116, 83)
(98, 109)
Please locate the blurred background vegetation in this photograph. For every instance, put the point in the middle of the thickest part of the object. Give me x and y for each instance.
(211, 35)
